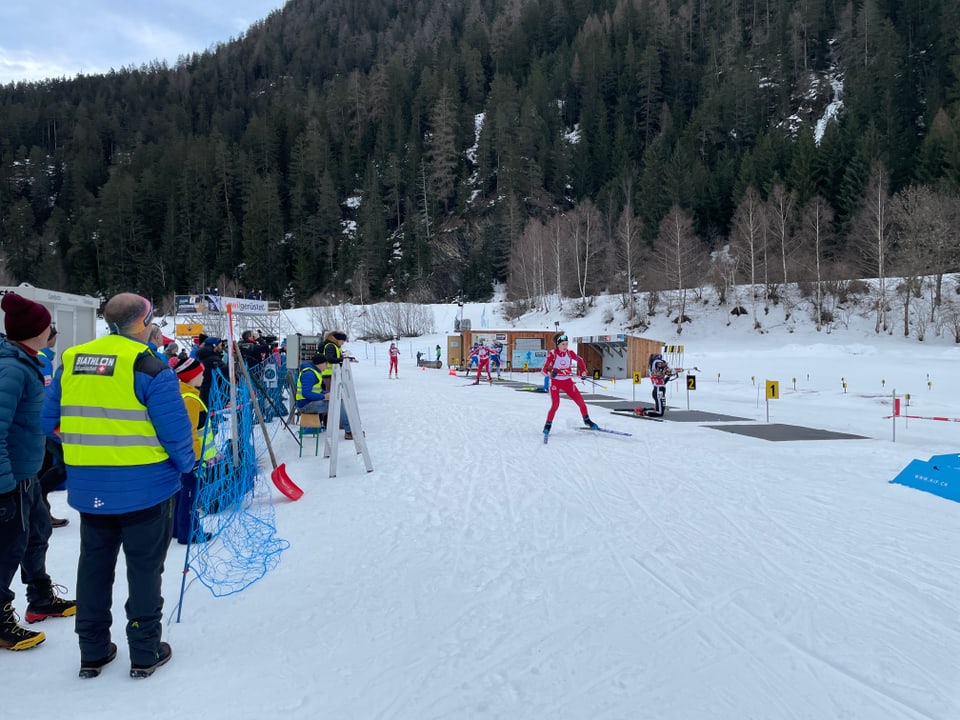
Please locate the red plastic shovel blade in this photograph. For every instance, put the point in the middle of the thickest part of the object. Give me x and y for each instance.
(284, 484)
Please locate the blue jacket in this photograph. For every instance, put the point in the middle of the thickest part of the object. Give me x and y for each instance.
(46, 357)
(21, 395)
(115, 490)
(310, 388)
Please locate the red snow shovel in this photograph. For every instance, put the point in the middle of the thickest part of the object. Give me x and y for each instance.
(279, 475)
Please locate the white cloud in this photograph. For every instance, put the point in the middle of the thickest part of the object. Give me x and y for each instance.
(89, 38)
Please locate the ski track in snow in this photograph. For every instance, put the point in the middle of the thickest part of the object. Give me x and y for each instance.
(683, 573)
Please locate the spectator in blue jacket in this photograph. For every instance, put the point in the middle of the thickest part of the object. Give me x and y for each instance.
(24, 519)
(126, 440)
(311, 397)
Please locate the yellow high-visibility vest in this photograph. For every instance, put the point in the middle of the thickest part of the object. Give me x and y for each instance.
(102, 423)
(205, 444)
(300, 385)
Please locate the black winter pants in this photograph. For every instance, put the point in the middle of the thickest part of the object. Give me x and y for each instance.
(659, 395)
(24, 536)
(144, 536)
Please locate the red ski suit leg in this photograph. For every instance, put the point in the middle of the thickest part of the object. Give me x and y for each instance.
(566, 384)
(484, 365)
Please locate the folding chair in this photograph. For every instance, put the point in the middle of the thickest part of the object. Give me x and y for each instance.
(311, 422)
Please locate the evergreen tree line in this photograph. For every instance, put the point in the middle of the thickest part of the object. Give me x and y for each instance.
(364, 150)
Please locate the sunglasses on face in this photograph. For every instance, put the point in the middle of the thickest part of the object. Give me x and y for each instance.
(149, 318)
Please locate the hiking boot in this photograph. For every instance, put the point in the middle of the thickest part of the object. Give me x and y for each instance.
(12, 635)
(54, 607)
(92, 668)
(348, 436)
(589, 423)
(164, 653)
(58, 522)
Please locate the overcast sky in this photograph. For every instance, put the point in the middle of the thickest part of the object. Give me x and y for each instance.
(61, 38)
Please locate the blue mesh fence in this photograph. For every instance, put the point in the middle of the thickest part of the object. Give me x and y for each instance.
(269, 379)
(234, 496)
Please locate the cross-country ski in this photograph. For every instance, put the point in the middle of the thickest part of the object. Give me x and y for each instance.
(609, 431)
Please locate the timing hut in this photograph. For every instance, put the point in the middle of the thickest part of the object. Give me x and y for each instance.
(74, 315)
(612, 355)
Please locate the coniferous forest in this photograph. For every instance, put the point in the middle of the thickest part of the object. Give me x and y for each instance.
(348, 149)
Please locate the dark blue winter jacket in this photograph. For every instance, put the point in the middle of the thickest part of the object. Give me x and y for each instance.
(119, 489)
(21, 395)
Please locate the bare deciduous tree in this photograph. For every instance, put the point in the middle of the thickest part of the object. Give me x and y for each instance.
(678, 250)
(628, 232)
(585, 238)
(527, 276)
(872, 236)
(914, 225)
(556, 232)
(781, 208)
(387, 321)
(816, 228)
(747, 240)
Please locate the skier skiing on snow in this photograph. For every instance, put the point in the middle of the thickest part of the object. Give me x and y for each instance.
(483, 362)
(559, 367)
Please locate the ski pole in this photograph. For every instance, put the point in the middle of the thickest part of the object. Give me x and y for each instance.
(595, 383)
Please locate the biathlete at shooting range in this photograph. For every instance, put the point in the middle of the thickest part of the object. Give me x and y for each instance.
(660, 374)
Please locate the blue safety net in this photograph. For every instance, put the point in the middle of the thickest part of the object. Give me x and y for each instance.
(236, 542)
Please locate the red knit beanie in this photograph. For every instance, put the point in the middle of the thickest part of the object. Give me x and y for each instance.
(24, 319)
(188, 369)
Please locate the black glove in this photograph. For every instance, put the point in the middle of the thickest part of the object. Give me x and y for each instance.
(553, 373)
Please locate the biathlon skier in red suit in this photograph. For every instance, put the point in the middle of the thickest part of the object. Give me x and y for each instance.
(559, 366)
(483, 363)
(394, 360)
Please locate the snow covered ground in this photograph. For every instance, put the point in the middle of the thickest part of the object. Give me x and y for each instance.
(683, 573)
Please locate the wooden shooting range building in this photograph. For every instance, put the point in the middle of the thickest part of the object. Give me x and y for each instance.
(610, 356)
